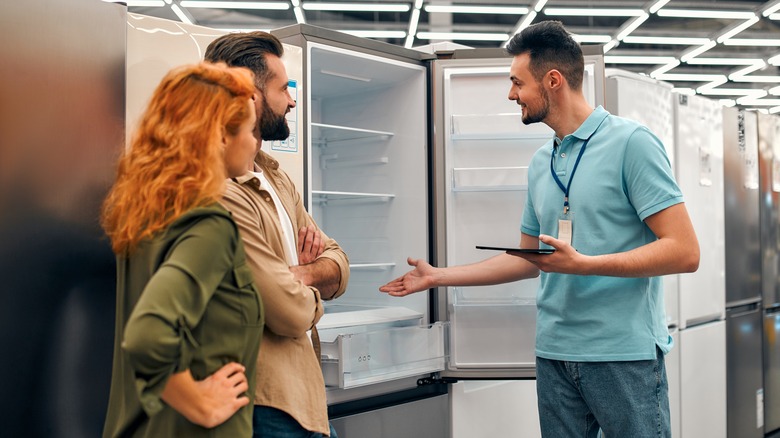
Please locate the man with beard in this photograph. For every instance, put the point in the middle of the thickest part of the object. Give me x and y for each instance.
(293, 271)
(621, 223)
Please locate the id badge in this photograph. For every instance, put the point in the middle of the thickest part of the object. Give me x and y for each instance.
(566, 227)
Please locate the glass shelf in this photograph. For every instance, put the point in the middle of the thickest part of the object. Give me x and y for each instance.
(496, 126)
(489, 179)
(372, 266)
(329, 196)
(325, 134)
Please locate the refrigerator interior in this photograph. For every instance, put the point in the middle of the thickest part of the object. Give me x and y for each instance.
(368, 183)
(482, 153)
(699, 173)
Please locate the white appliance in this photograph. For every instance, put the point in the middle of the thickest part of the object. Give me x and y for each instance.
(691, 129)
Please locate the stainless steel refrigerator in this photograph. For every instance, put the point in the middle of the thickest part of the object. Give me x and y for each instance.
(412, 154)
(743, 274)
(769, 208)
(690, 128)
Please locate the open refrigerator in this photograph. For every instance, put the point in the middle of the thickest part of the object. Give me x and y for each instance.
(412, 154)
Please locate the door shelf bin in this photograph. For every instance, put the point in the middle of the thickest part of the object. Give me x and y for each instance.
(356, 359)
(493, 333)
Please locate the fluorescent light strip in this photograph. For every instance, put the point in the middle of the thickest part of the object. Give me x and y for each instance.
(179, 13)
(418, 4)
(775, 60)
(774, 110)
(752, 42)
(476, 9)
(728, 102)
(689, 54)
(681, 41)
(654, 74)
(299, 17)
(689, 77)
(657, 5)
(359, 7)
(732, 92)
(597, 39)
(747, 70)
(609, 46)
(775, 91)
(539, 5)
(724, 61)
(632, 26)
(462, 36)
(376, 33)
(749, 100)
(527, 20)
(296, 3)
(278, 6)
(774, 17)
(639, 59)
(690, 13)
(737, 29)
(412, 28)
(594, 12)
(771, 9)
(756, 78)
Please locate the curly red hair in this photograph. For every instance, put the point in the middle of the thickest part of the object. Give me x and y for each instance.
(175, 160)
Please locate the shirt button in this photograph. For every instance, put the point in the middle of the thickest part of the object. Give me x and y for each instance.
(563, 154)
(267, 199)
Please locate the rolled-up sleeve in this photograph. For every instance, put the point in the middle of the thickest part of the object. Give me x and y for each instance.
(157, 338)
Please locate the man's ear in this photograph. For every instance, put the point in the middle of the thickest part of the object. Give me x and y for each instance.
(554, 79)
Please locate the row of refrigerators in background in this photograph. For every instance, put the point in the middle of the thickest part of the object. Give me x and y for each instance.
(419, 153)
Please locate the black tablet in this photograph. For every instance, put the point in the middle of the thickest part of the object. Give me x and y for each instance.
(519, 250)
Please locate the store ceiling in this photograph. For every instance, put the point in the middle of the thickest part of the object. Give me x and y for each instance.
(727, 50)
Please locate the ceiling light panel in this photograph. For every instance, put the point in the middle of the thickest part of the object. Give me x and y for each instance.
(680, 41)
(700, 13)
(462, 36)
(453, 9)
(594, 12)
(356, 7)
(279, 6)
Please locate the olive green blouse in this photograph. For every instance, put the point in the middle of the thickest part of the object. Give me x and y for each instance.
(185, 300)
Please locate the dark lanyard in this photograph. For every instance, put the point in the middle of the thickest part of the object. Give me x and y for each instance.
(558, 181)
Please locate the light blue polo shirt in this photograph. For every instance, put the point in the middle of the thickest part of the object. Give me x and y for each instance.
(623, 177)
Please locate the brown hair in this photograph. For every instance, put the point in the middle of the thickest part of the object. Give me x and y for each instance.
(549, 47)
(248, 50)
(175, 161)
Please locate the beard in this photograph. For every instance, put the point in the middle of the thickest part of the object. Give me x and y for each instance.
(541, 113)
(273, 126)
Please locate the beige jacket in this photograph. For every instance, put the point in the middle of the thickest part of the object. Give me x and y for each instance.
(289, 377)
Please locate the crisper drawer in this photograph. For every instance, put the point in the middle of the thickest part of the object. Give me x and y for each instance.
(356, 359)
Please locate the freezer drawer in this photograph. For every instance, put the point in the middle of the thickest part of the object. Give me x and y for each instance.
(772, 371)
(357, 359)
(744, 385)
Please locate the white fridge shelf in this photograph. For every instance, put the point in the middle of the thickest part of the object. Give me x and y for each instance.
(486, 179)
(329, 196)
(496, 126)
(325, 134)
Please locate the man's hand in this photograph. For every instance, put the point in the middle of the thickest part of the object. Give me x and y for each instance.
(310, 244)
(422, 277)
(209, 402)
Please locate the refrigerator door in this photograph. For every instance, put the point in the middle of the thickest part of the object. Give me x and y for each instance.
(648, 102)
(672, 363)
(769, 205)
(772, 370)
(365, 114)
(743, 363)
(481, 155)
(699, 148)
(703, 381)
(741, 194)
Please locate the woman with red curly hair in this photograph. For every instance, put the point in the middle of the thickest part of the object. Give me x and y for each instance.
(188, 316)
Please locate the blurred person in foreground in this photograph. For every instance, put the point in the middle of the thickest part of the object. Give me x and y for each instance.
(188, 316)
(294, 263)
(603, 195)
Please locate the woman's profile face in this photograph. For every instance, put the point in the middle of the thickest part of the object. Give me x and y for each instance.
(241, 148)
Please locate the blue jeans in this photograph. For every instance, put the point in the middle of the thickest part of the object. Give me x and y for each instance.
(272, 423)
(624, 399)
